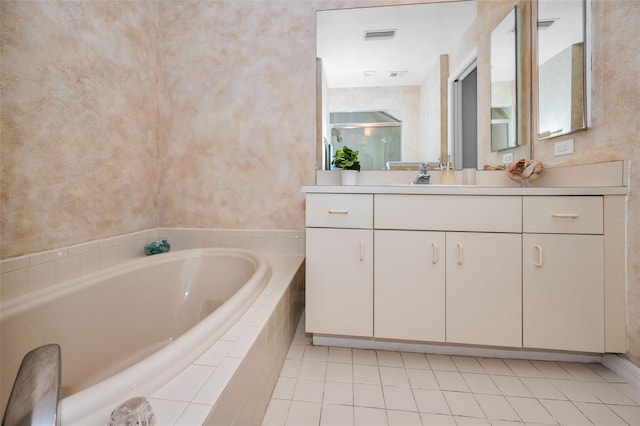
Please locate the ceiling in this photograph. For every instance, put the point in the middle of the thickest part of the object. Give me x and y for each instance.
(424, 32)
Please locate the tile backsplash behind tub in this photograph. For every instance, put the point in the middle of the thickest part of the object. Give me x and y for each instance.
(25, 274)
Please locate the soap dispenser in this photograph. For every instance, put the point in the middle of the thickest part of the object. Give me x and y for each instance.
(447, 173)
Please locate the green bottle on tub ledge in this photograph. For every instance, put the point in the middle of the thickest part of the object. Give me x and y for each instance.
(157, 247)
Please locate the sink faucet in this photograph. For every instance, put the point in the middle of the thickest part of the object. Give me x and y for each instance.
(423, 175)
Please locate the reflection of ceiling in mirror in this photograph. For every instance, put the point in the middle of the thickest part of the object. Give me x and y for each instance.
(565, 30)
(503, 49)
(424, 32)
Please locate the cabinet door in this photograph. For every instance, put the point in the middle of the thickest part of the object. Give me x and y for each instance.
(484, 289)
(409, 277)
(563, 292)
(339, 281)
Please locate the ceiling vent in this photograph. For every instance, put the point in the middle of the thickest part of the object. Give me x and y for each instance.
(380, 34)
(397, 73)
(543, 24)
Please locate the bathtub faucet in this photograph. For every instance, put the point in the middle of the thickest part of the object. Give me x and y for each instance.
(36, 391)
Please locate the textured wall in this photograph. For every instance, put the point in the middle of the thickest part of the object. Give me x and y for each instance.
(237, 113)
(78, 122)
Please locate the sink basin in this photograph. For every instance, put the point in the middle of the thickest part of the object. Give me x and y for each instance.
(421, 184)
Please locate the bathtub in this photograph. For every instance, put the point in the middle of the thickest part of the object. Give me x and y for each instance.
(127, 330)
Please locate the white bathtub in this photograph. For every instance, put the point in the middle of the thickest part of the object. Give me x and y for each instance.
(115, 326)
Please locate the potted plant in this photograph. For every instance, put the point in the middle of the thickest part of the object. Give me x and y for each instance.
(346, 159)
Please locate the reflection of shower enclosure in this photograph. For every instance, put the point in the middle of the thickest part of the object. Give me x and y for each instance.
(375, 134)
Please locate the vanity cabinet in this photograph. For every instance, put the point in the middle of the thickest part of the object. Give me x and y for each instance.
(563, 273)
(480, 302)
(339, 265)
(515, 271)
(484, 292)
(409, 290)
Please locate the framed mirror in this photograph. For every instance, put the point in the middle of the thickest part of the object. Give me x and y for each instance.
(390, 64)
(504, 83)
(561, 67)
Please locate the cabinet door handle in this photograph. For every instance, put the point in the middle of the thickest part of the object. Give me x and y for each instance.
(459, 253)
(332, 211)
(434, 255)
(538, 248)
(361, 250)
(564, 215)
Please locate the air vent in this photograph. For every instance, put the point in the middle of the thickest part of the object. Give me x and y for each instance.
(397, 73)
(543, 24)
(380, 34)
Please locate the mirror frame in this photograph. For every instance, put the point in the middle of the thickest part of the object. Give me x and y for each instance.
(509, 20)
(586, 74)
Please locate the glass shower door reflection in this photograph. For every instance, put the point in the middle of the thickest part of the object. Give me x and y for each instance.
(376, 144)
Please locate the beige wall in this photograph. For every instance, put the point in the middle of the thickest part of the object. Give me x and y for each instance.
(235, 91)
(78, 122)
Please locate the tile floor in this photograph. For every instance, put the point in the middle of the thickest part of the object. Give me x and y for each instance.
(339, 386)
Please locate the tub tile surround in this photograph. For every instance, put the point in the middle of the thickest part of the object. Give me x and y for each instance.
(232, 382)
(24, 274)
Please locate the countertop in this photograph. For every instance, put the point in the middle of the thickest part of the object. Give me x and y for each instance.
(434, 189)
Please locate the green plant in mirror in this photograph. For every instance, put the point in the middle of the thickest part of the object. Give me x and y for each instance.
(346, 159)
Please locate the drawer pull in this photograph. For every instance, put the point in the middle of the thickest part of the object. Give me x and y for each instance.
(331, 211)
(434, 255)
(538, 248)
(459, 253)
(361, 250)
(564, 215)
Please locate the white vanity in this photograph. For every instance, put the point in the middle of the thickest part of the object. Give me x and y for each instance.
(506, 267)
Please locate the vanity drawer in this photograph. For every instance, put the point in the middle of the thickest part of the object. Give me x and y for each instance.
(563, 215)
(340, 211)
(449, 213)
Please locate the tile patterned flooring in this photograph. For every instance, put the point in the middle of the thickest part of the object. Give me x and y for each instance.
(340, 386)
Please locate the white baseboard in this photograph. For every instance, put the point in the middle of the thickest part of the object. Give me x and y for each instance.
(455, 350)
(623, 368)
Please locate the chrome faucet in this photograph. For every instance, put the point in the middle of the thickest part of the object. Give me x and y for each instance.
(423, 175)
(36, 391)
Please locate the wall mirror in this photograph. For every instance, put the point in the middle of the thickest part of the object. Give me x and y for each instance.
(561, 67)
(504, 97)
(389, 65)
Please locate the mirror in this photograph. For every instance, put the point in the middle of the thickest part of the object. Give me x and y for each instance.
(504, 99)
(390, 61)
(561, 67)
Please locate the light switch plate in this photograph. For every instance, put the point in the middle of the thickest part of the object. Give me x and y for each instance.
(563, 147)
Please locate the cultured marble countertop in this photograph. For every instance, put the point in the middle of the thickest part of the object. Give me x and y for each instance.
(435, 189)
